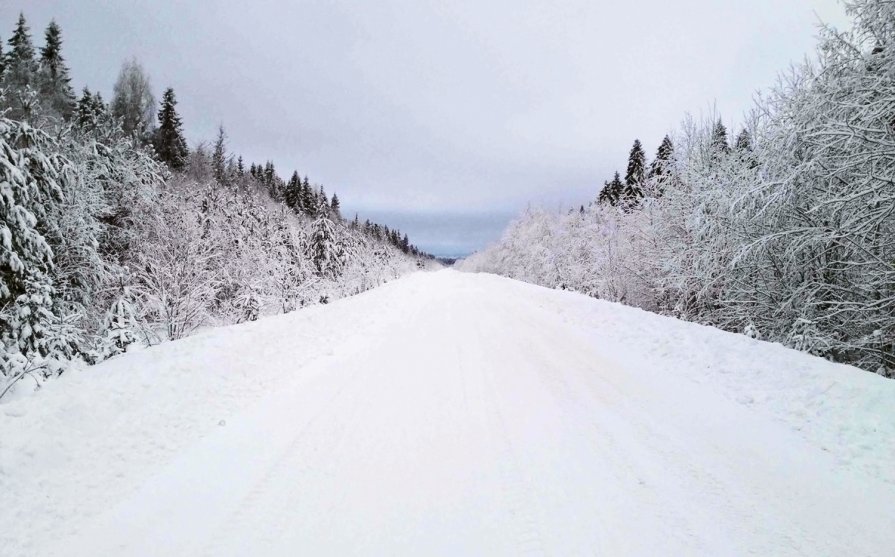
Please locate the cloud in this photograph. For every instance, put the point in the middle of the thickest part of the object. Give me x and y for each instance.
(468, 107)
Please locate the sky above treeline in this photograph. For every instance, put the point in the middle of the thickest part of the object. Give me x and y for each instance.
(441, 118)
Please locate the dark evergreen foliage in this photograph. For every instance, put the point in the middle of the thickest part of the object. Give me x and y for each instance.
(53, 74)
(612, 191)
(20, 62)
(219, 158)
(292, 196)
(720, 143)
(309, 201)
(335, 207)
(744, 141)
(661, 167)
(20, 72)
(170, 144)
(634, 176)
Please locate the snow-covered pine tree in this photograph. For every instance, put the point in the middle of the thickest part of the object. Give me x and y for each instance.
(720, 144)
(33, 176)
(219, 158)
(336, 207)
(31, 315)
(30, 174)
(20, 72)
(119, 327)
(292, 195)
(170, 144)
(743, 141)
(661, 168)
(612, 191)
(324, 249)
(53, 75)
(633, 190)
(309, 201)
(84, 112)
(322, 201)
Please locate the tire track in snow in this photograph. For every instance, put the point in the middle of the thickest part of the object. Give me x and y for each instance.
(274, 495)
(516, 492)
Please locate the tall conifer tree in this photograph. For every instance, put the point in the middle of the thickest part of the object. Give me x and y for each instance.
(612, 191)
(170, 144)
(720, 143)
(293, 197)
(744, 141)
(53, 75)
(219, 157)
(309, 201)
(661, 167)
(21, 64)
(633, 190)
(336, 207)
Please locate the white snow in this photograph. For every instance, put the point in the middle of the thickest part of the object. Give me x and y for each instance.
(453, 414)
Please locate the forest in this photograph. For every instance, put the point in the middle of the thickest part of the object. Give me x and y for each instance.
(783, 230)
(115, 233)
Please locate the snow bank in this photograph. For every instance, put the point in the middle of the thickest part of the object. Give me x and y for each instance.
(845, 410)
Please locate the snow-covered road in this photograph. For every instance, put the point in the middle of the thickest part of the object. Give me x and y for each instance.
(457, 414)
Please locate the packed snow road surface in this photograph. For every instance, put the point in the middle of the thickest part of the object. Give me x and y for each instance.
(454, 414)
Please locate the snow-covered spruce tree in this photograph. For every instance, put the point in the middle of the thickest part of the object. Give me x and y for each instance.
(30, 174)
(29, 319)
(743, 142)
(335, 207)
(20, 72)
(170, 144)
(633, 190)
(661, 169)
(120, 326)
(720, 145)
(324, 248)
(90, 111)
(612, 191)
(219, 158)
(292, 196)
(307, 198)
(53, 78)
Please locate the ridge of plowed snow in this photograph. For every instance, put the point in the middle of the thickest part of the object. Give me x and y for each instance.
(451, 413)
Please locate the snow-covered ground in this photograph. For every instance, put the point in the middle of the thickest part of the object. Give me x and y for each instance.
(454, 414)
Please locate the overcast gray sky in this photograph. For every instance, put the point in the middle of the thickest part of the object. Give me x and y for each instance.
(443, 118)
